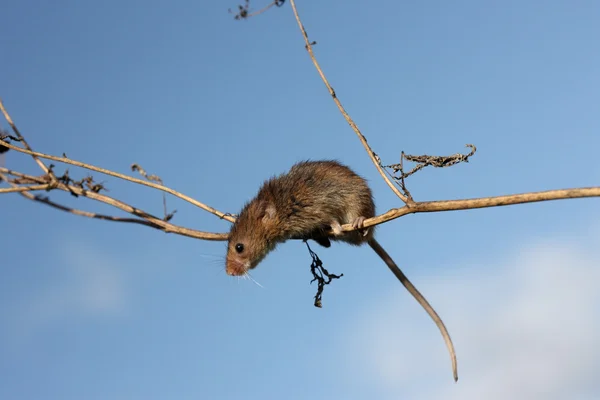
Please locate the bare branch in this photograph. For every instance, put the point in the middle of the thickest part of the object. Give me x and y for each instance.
(414, 208)
(354, 127)
(482, 202)
(153, 221)
(65, 160)
(47, 201)
(17, 189)
(21, 138)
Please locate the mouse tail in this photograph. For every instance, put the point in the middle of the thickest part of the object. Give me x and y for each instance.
(420, 299)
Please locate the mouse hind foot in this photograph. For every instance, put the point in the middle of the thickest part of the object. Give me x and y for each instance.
(355, 237)
(359, 224)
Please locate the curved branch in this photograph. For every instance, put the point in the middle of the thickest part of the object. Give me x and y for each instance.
(121, 176)
(350, 121)
(144, 217)
(44, 200)
(48, 202)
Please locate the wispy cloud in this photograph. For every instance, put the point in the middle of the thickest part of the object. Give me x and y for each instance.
(86, 283)
(527, 329)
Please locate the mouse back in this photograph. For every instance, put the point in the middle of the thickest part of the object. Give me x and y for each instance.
(303, 203)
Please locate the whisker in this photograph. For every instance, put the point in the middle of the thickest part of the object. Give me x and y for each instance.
(206, 255)
(247, 274)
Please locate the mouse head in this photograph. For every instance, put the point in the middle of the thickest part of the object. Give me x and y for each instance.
(250, 239)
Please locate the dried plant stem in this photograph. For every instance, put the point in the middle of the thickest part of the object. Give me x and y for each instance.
(350, 121)
(18, 134)
(144, 217)
(121, 176)
(262, 10)
(482, 202)
(17, 189)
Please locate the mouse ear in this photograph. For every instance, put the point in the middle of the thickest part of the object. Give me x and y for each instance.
(267, 211)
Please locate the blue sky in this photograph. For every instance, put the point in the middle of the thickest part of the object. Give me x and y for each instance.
(97, 310)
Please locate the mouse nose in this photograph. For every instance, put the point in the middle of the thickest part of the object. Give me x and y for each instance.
(233, 268)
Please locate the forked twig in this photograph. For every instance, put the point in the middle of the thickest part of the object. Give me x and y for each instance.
(175, 193)
(152, 221)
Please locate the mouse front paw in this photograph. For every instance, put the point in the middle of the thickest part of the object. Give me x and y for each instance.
(336, 227)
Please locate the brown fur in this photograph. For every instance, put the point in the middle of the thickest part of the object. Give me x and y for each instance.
(313, 198)
(304, 203)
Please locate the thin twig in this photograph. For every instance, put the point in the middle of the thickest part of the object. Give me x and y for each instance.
(65, 160)
(244, 10)
(22, 140)
(154, 221)
(47, 201)
(82, 213)
(482, 202)
(273, 3)
(17, 189)
(361, 137)
(155, 178)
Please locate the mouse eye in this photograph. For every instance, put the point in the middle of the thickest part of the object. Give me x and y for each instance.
(239, 247)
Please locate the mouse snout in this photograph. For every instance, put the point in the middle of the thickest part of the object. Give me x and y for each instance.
(235, 267)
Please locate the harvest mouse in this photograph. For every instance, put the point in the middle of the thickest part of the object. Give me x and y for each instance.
(312, 201)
